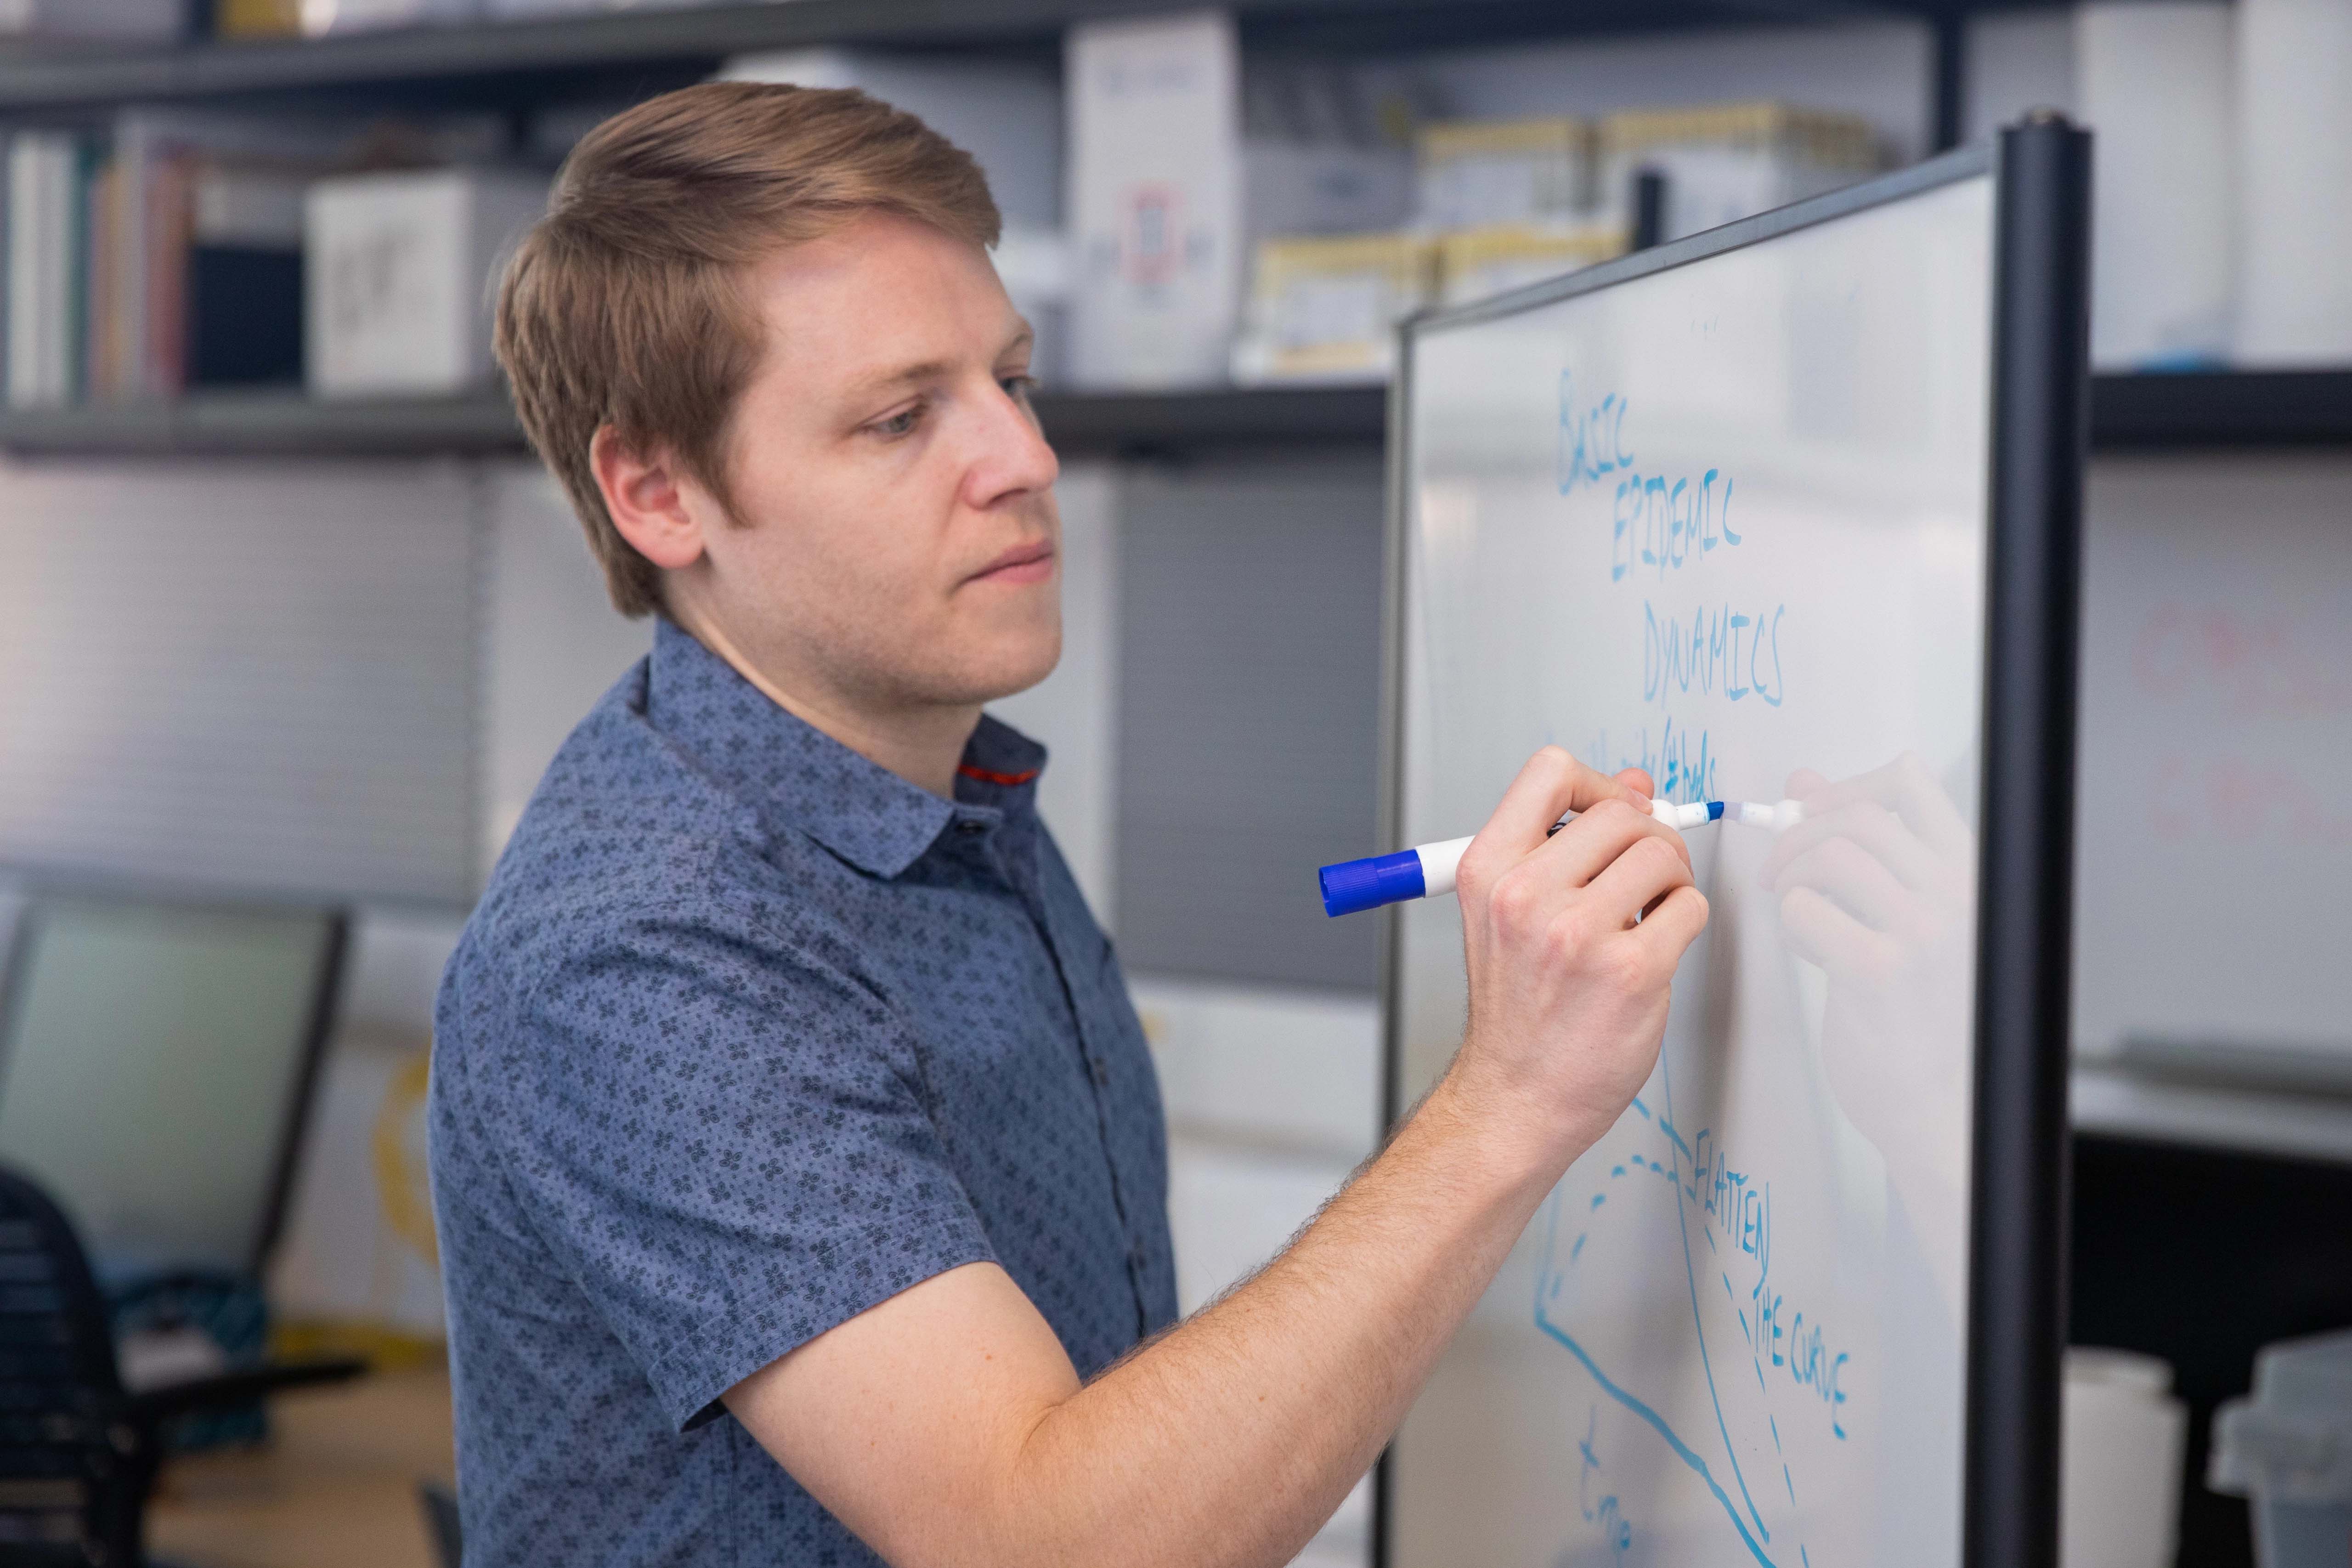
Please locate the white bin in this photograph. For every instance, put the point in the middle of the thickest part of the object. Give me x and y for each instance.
(2120, 1496)
(2288, 1449)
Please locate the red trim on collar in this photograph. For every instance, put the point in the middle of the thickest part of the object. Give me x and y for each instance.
(1007, 780)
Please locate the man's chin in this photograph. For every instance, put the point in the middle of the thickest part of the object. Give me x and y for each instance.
(996, 671)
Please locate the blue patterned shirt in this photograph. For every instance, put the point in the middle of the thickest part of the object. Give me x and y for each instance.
(747, 1035)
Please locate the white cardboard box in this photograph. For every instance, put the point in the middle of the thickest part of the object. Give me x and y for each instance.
(2294, 183)
(2155, 82)
(1166, 198)
(398, 277)
(1006, 114)
(1035, 267)
(1483, 174)
(1325, 309)
(1298, 191)
(1155, 198)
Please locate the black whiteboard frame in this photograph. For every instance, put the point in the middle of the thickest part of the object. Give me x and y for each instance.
(2039, 429)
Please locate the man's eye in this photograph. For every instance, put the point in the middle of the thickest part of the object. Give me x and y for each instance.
(1019, 387)
(902, 423)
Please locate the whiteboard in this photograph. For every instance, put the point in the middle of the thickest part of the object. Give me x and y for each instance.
(2216, 728)
(1727, 520)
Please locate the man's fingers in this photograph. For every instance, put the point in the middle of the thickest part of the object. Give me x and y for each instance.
(1669, 930)
(1638, 780)
(1552, 784)
(1582, 850)
(1645, 871)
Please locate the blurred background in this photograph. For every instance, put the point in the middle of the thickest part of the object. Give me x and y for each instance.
(291, 622)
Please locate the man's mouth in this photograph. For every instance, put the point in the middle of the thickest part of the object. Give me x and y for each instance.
(1022, 564)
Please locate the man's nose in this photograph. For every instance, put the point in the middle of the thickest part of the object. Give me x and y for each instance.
(1013, 455)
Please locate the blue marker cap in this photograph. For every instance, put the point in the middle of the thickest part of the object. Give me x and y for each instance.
(1354, 885)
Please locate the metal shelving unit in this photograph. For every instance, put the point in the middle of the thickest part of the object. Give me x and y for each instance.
(288, 424)
(2128, 413)
(2221, 408)
(517, 65)
(537, 60)
(266, 425)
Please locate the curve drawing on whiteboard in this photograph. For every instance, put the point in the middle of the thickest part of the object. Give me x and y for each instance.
(1733, 1215)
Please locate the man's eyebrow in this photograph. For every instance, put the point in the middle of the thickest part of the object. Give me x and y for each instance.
(932, 369)
(906, 375)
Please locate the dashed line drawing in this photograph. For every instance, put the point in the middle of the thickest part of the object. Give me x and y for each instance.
(1741, 1205)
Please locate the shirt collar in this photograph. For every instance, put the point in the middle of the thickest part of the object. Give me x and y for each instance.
(796, 777)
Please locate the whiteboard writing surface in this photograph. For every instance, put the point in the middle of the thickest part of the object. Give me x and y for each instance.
(1726, 521)
(2216, 728)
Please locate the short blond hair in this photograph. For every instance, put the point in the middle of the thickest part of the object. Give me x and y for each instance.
(625, 306)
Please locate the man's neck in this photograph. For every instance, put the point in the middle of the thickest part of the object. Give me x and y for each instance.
(922, 745)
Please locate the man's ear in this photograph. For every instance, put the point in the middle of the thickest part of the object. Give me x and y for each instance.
(651, 502)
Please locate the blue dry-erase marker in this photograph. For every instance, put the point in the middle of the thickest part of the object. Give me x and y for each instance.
(1428, 871)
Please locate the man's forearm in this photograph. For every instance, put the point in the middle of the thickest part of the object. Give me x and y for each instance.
(947, 1424)
(1230, 1439)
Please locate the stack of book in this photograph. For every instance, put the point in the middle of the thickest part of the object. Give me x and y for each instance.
(165, 256)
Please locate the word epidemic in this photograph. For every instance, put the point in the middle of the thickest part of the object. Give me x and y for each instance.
(1656, 519)
(1740, 650)
(1654, 523)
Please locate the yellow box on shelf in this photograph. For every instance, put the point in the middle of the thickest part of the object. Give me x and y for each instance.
(1477, 173)
(258, 19)
(1475, 263)
(1325, 309)
(1815, 135)
(1724, 161)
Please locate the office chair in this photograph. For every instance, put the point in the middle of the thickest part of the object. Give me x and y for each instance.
(77, 1453)
(440, 1505)
(156, 1059)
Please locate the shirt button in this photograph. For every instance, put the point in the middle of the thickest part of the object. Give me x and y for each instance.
(1135, 1257)
(1102, 1072)
(971, 826)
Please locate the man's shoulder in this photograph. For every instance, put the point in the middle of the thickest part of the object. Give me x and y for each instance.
(621, 821)
(627, 844)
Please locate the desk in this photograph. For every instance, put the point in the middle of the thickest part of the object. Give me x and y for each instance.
(337, 1485)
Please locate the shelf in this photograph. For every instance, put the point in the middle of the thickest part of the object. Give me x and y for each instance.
(2129, 414)
(1139, 424)
(2221, 408)
(649, 49)
(266, 424)
(288, 424)
(2112, 1102)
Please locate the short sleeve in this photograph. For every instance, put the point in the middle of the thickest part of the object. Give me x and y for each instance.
(724, 1138)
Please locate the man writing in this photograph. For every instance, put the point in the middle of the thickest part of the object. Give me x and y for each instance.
(798, 1159)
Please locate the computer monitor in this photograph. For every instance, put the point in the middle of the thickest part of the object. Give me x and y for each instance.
(156, 1060)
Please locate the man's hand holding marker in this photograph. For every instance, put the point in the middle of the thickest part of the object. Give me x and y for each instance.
(1429, 870)
(1571, 933)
